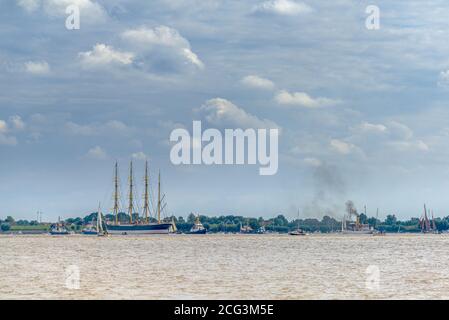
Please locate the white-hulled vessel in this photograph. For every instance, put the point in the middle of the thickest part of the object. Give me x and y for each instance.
(298, 231)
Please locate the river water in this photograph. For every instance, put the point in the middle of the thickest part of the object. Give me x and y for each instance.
(224, 267)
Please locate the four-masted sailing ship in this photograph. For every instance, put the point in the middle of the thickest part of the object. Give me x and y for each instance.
(137, 225)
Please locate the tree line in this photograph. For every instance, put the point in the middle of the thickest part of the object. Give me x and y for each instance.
(232, 223)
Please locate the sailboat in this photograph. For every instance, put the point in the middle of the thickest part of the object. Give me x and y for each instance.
(91, 230)
(298, 231)
(425, 225)
(173, 228)
(101, 232)
(377, 232)
(137, 226)
(434, 227)
(198, 227)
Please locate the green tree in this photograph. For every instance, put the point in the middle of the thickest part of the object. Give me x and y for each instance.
(280, 220)
(10, 220)
(363, 218)
(391, 220)
(5, 227)
(191, 218)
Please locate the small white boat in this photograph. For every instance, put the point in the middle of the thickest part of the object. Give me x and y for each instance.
(298, 231)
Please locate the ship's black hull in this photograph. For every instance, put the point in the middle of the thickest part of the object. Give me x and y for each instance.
(136, 229)
(198, 232)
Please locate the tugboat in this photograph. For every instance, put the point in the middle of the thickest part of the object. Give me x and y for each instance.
(59, 229)
(261, 230)
(198, 227)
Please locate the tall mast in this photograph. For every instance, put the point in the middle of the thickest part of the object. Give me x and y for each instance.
(159, 198)
(426, 220)
(298, 220)
(99, 218)
(131, 195)
(116, 195)
(377, 217)
(146, 206)
(434, 227)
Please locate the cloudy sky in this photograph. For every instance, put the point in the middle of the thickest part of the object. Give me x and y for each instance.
(363, 113)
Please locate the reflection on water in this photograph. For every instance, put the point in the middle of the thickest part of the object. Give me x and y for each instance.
(226, 267)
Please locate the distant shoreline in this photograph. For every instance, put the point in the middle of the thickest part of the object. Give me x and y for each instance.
(233, 224)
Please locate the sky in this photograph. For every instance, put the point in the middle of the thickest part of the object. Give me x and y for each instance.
(363, 114)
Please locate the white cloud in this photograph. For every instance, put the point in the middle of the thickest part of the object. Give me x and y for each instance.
(254, 81)
(37, 67)
(302, 99)
(161, 35)
(17, 122)
(443, 80)
(366, 127)
(221, 112)
(103, 55)
(283, 7)
(342, 147)
(14, 123)
(192, 57)
(7, 140)
(113, 126)
(77, 129)
(413, 145)
(139, 156)
(3, 126)
(313, 162)
(97, 153)
(400, 130)
(4, 138)
(147, 39)
(116, 125)
(29, 5)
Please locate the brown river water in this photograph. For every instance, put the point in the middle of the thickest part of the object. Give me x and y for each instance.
(224, 267)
